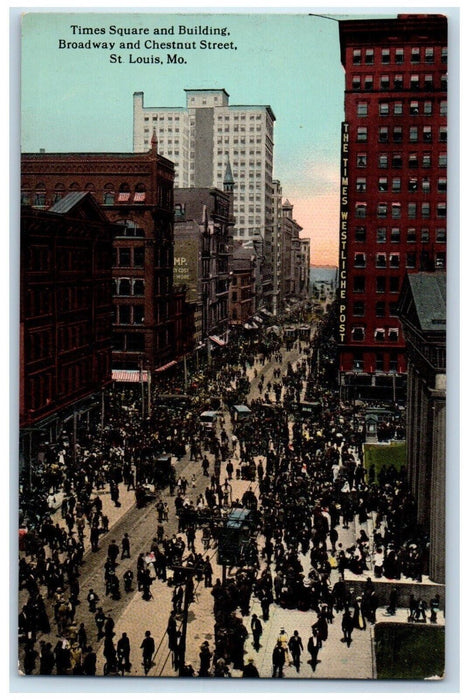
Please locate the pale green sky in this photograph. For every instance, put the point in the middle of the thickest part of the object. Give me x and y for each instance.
(77, 100)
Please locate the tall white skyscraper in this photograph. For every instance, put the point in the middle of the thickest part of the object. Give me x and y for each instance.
(203, 137)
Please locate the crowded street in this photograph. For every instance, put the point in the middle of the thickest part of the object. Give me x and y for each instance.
(126, 567)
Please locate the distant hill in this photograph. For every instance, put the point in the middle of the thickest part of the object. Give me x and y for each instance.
(322, 274)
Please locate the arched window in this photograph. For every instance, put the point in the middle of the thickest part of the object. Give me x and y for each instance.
(40, 195)
(140, 192)
(59, 192)
(124, 192)
(74, 187)
(124, 287)
(108, 193)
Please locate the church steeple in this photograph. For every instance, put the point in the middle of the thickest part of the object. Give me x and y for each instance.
(154, 142)
(228, 181)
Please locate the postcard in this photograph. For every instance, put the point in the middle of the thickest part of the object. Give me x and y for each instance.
(232, 355)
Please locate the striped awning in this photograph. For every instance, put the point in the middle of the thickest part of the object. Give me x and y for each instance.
(129, 375)
(166, 366)
(217, 340)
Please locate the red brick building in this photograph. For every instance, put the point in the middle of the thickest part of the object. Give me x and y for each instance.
(65, 309)
(135, 191)
(393, 187)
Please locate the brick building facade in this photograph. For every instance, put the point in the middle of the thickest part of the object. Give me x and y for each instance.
(393, 187)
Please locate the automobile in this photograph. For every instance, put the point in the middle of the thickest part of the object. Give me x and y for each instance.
(208, 420)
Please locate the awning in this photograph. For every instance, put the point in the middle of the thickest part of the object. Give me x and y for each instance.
(166, 366)
(217, 340)
(129, 375)
(251, 326)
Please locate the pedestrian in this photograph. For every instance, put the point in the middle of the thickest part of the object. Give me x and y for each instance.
(208, 572)
(256, 628)
(295, 644)
(347, 627)
(278, 660)
(113, 551)
(250, 671)
(205, 656)
(92, 599)
(89, 662)
(128, 579)
(313, 649)
(123, 653)
(148, 649)
(46, 660)
(125, 554)
(283, 639)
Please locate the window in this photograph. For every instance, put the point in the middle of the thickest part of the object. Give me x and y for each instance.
(428, 81)
(361, 160)
(444, 82)
(425, 235)
(413, 134)
(399, 56)
(441, 210)
(124, 314)
(139, 287)
(393, 308)
(441, 235)
(381, 285)
(379, 362)
(384, 109)
(443, 134)
(380, 309)
(382, 210)
(393, 335)
(414, 107)
(379, 334)
(124, 257)
(362, 109)
(381, 260)
(412, 184)
(358, 333)
(360, 184)
(394, 260)
(383, 184)
(398, 82)
(444, 54)
(384, 82)
(396, 210)
(396, 184)
(368, 82)
(398, 108)
(429, 54)
(356, 82)
(426, 160)
(362, 134)
(414, 82)
(394, 285)
(357, 56)
(425, 184)
(383, 134)
(358, 308)
(440, 260)
(427, 108)
(412, 210)
(411, 260)
(443, 108)
(395, 235)
(360, 260)
(411, 235)
(383, 160)
(415, 55)
(397, 160)
(385, 56)
(357, 361)
(442, 160)
(427, 134)
(381, 234)
(369, 56)
(359, 284)
(397, 134)
(123, 287)
(360, 210)
(360, 234)
(413, 160)
(139, 256)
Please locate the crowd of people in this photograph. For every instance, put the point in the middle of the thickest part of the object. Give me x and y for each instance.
(307, 481)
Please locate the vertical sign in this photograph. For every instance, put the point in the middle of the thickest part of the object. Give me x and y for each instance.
(344, 163)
